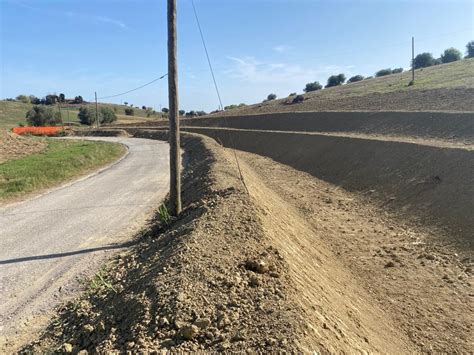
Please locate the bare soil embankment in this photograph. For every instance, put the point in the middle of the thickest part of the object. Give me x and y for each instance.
(13, 146)
(440, 126)
(425, 184)
(235, 272)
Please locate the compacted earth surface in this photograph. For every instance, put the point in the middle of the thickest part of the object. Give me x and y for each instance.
(268, 258)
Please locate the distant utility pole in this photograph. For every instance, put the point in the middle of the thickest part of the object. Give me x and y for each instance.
(175, 157)
(60, 115)
(96, 110)
(413, 60)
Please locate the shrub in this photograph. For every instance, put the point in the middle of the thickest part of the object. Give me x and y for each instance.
(87, 115)
(335, 80)
(451, 55)
(42, 116)
(271, 97)
(182, 112)
(298, 99)
(292, 94)
(23, 98)
(230, 107)
(51, 99)
(191, 114)
(383, 72)
(242, 104)
(355, 78)
(34, 100)
(130, 111)
(437, 61)
(470, 50)
(312, 87)
(165, 110)
(397, 70)
(143, 107)
(78, 100)
(201, 113)
(149, 111)
(106, 115)
(423, 60)
(62, 98)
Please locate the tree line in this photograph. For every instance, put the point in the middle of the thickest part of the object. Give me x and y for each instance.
(422, 60)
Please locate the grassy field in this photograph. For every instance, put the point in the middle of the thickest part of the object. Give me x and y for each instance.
(452, 78)
(61, 161)
(13, 113)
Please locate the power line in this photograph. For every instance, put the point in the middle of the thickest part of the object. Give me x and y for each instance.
(207, 54)
(137, 88)
(218, 95)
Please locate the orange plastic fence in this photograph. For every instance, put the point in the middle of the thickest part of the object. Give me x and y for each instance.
(38, 131)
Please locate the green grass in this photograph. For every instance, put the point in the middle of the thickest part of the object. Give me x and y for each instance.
(13, 113)
(61, 161)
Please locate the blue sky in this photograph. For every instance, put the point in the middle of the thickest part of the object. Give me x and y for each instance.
(257, 46)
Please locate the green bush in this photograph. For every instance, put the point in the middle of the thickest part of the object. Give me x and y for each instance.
(271, 97)
(42, 116)
(34, 100)
(335, 80)
(106, 115)
(383, 72)
(87, 115)
(451, 55)
(355, 78)
(130, 111)
(470, 50)
(182, 112)
(423, 60)
(292, 94)
(298, 99)
(397, 70)
(23, 98)
(312, 87)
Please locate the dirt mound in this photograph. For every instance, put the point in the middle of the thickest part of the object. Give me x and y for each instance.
(234, 273)
(13, 146)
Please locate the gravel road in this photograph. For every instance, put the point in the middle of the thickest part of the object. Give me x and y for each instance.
(50, 242)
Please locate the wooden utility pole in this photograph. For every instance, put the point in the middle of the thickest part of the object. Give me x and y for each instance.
(96, 111)
(175, 157)
(413, 60)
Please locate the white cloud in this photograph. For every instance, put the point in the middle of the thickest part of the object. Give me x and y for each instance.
(281, 48)
(81, 16)
(248, 69)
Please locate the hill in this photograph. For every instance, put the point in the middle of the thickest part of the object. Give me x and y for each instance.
(12, 113)
(446, 87)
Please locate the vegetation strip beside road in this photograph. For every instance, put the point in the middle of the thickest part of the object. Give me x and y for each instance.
(61, 161)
